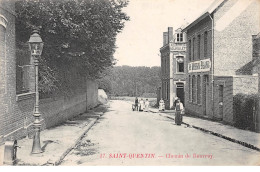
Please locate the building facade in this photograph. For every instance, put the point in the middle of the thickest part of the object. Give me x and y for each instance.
(219, 44)
(173, 68)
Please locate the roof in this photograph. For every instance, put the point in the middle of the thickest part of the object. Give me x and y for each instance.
(207, 12)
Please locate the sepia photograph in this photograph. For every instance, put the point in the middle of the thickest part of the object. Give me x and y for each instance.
(129, 83)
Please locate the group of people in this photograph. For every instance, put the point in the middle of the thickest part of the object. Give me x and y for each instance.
(178, 106)
(142, 105)
(176, 102)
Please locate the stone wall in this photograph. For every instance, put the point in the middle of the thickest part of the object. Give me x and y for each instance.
(233, 35)
(245, 84)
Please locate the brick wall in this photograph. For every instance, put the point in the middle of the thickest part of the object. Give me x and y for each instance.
(200, 28)
(165, 71)
(54, 111)
(232, 85)
(7, 67)
(227, 83)
(193, 108)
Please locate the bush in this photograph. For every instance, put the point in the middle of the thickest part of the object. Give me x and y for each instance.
(245, 107)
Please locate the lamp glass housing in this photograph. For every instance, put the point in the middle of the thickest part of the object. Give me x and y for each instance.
(35, 44)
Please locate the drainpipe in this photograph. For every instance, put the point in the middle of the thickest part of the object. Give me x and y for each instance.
(212, 62)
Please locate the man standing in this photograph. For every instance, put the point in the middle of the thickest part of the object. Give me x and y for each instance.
(136, 103)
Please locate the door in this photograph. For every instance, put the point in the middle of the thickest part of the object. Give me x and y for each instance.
(205, 97)
(221, 89)
(180, 92)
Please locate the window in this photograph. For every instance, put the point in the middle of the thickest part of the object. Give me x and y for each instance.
(205, 44)
(180, 64)
(193, 49)
(193, 88)
(190, 50)
(165, 62)
(2, 57)
(163, 90)
(198, 46)
(163, 65)
(179, 37)
(23, 69)
(167, 90)
(198, 89)
(190, 88)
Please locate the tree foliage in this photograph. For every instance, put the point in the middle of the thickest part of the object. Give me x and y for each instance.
(76, 33)
(132, 81)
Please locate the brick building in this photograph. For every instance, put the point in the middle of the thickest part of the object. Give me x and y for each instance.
(17, 87)
(173, 58)
(220, 44)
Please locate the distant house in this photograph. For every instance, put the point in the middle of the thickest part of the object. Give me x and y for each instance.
(173, 67)
(219, 58)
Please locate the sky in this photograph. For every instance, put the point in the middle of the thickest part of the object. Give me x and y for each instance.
(142, 37)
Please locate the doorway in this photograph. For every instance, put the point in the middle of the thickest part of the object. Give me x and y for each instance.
(180, 92)
(220, 104)
(205, 97)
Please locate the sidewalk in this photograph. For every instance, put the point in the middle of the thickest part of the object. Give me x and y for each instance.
(56, 142)
(246, 138)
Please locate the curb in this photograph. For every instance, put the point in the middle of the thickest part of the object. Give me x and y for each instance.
(248, 145)
(73, 145)
(57, 162)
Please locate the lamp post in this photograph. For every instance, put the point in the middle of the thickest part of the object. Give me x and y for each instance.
(36, 46)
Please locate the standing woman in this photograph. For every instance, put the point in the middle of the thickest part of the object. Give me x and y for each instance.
(147, 105)
(179, 112)
(161, 105)
(175, 101)
(141, 107)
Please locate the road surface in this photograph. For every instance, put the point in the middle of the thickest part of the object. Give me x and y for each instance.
(125, 137)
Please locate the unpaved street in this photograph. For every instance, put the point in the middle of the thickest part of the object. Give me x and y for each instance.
(124, 137)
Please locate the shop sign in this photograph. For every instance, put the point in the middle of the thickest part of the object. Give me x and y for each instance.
(199, 66)
(177, 47)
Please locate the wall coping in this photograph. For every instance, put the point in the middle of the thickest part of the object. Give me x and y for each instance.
(25, 96)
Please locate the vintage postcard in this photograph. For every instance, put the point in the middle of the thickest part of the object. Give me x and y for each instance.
(129, 82)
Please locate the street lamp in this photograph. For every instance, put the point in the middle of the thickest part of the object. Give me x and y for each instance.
(36, 46)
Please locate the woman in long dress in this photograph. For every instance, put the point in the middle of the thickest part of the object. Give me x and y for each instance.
(161, 105)
(146, 105)
(141, 107)
(179, 112)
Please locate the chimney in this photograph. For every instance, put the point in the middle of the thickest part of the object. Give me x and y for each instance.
(165, 38)
(170, 34)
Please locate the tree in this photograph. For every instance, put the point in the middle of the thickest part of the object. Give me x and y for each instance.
(76, 33)
(133, 81)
